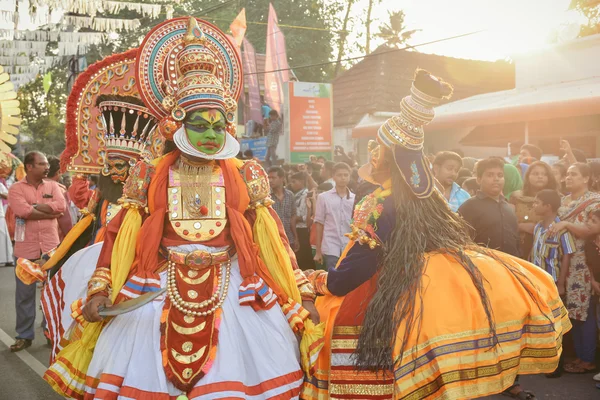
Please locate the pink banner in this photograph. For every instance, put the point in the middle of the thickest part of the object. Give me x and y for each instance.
(253, 105)
(276, 61)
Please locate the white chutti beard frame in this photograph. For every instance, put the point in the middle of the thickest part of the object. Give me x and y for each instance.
(229, 150)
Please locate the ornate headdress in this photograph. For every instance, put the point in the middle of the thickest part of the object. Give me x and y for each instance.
(404, 135)
(86, 144)
(186, 64)
(128, 125)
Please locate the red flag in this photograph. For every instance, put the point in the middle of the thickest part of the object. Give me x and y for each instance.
(276, 65)
(238, 28)
(253, 109)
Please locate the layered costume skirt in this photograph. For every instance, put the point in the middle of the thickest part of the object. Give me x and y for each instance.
(450, 354)
(257, 355)
(63, 294)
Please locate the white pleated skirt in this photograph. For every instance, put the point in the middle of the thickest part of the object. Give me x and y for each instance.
(257, 355)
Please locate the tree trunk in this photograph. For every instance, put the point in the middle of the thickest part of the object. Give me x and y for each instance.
(368, 26)
(343, 36)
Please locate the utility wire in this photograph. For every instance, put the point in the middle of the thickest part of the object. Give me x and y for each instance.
(369, 55)
(310, 28)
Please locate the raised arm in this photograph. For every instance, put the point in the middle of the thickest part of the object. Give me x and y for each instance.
(80, 191)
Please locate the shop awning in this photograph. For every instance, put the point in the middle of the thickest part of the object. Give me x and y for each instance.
(561, 100)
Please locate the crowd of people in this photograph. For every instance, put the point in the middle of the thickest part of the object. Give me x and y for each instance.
(546, 214)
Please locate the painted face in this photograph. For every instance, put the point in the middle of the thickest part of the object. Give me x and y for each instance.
(205, 130)
(117, 167)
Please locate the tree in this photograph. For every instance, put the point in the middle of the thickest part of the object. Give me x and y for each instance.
(368, 23)
(43, 125)
(310, 27)
(342, 37)
(394, 31)
(591, 10)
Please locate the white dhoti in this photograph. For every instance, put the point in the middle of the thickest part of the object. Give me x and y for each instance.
(257, 355)
(68, 285)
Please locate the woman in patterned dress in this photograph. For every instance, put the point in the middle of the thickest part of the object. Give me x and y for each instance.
(575, 212)
(538, 177)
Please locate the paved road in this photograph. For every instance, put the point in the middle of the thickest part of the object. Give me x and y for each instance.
(20, 381)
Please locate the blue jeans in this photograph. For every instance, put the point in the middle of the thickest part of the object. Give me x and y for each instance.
(330, 261)
(584, 334)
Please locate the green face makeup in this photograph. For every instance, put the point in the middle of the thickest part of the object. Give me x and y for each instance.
(206, 130)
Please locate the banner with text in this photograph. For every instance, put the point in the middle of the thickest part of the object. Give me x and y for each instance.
(310, 120)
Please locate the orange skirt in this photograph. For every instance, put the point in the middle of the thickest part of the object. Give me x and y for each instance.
(452, 356)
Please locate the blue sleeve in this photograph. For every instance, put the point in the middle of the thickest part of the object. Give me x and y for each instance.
(361, 263)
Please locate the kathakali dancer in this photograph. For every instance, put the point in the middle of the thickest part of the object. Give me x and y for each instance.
(414, 309)
(209, 299)
(108, 129)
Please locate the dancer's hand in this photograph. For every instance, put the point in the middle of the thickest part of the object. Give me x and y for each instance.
(90, 310)
(314, 314)
(319, 257)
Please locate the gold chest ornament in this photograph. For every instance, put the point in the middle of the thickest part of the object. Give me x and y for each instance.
(196, 197)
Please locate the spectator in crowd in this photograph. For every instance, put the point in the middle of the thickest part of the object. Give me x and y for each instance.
(471, 186)
(327, 173)
(445, 170)
(595, 180)
(575, 212)
(6, 250)
(66, 180)
(284, 204)
(321, 160)
(273, 132)
(552, 253)
(559, 170)
(530, 151)
(37, 204)
(492, 219)
(513, 180)
(333, 216)
(311, 202)
(249, 155)
(592, 254)
(469, 163)
(463, 175)
(304, 254)
(538, 177)
(65, 223)
(571, 156)
(93, 181)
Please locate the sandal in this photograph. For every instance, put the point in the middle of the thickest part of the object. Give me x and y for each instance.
(20, 344)
(522, 395)
(579, 369)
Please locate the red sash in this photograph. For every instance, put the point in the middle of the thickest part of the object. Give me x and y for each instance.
(345, 381)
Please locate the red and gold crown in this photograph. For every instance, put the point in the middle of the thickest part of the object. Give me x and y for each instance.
(185, 64)
(85, 150)
(127, 125)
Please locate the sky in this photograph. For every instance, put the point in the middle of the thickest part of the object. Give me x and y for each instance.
(512, 27)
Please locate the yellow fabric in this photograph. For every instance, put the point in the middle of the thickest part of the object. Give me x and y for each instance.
(123, 252)
(77, 356)
(273, 253)
(311, 344)
(68, 241)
